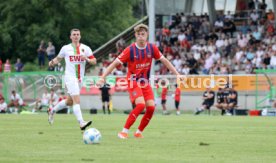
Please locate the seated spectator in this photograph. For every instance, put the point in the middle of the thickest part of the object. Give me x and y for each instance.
(3, 106)
(218, 26)
(184, 70)
(229, 16)
(232, 100)
(244, 28)
(270, 15)
(177, 62)
(47, 100)
(250, 54)
(273, 60)
(208, 101)
(209, 61)
(239, 58)
(270, 29)
(254, 17)
(266, 60)
(229, 27)
(248, 67)
(257, 35)
(220, 100)
(15, 101)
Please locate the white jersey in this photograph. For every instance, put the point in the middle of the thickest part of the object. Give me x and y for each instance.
(3, 106)
(75, 66)
(16, 97)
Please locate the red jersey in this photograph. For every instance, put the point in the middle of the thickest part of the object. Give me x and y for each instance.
(164, 93)
(177, 94)
(139, 60)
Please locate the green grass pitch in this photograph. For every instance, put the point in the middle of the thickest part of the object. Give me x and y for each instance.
(185, 138)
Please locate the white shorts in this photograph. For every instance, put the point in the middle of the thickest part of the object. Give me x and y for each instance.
(72, 85)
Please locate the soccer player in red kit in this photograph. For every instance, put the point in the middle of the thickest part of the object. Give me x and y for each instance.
(177, 94)
(138, 57)
(164, 97)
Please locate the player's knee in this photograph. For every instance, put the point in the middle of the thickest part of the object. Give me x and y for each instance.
(69, 102)
(150, 109)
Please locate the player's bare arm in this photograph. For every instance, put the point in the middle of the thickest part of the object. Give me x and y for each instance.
(55, 61)
(108, 70)
(92, 61)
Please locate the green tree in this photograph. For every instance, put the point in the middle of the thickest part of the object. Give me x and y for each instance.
(24, 23)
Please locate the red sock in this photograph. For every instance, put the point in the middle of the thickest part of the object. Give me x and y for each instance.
(146, 118)
(133, 115)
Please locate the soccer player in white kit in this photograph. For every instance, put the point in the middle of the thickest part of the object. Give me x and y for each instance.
(76, 55)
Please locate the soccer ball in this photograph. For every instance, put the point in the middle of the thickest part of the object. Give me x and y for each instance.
(92, 136)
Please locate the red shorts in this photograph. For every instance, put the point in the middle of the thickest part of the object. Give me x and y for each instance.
(144, 91)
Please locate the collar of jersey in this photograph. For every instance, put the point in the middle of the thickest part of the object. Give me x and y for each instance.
(140, 47)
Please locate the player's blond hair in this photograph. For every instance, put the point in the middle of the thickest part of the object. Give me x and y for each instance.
(140, 27)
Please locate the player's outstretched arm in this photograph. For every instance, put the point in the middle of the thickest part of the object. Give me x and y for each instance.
(108, 70)
(54, 61)
(92, 61)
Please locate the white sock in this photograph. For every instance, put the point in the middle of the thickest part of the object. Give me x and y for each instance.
(138, 131)
(125, 130)
(77, 112)
(59, 106)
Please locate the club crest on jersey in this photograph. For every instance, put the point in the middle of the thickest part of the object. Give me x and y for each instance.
(82, 50)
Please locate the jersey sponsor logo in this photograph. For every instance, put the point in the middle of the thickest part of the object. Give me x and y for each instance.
(75, 59)
(142, 65)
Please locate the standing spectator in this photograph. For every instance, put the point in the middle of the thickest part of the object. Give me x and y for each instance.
(19, 65)
(1, 64)
(7, 66)
(41, 51)
(51, 51)
(3, 106)
(105, 97)
(177, 95)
